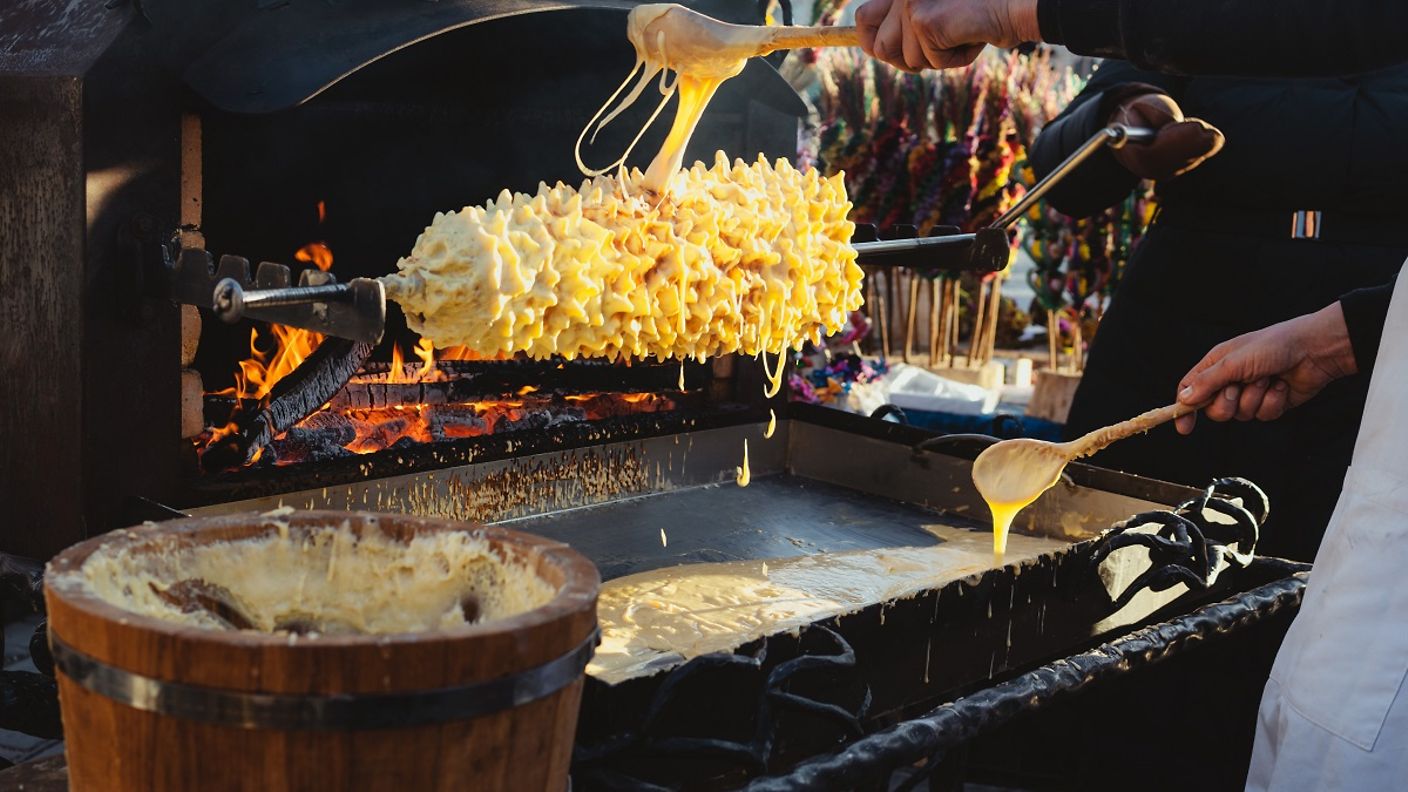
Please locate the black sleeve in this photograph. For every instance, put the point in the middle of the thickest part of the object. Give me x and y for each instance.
(1365, 311)
(1100, 181)
(1262, 38)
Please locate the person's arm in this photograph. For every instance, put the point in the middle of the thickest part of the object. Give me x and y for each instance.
(1267, 38)
(1264, 38)
(1260, 375)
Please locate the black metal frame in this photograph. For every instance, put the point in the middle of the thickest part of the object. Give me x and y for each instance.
(673, 745)
(926, 739)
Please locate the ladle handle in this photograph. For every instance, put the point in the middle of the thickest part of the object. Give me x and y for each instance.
(796, 37)
(1139, 424)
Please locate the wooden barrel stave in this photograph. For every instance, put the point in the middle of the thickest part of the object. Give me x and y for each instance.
(113, 746)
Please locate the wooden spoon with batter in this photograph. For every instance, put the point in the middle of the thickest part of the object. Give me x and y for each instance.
(1013, 473)
(677, 35)
(703, 52)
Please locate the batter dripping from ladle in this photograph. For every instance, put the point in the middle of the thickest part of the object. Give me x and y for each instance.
(1010, 475)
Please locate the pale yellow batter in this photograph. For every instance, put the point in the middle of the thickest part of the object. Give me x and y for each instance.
(699, 72)
(1012, 479)
(670, 263)
(744, 476)
(1010, 475)
(746, 258)
(656, 620)
(322, 581)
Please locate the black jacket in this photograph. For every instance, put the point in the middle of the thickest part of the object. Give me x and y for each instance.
(1220, 261)
(1260, 38)
(1246, 37)
(1332, 144)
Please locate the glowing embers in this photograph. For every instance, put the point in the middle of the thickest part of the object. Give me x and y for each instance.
(337, 432)
(425, 396)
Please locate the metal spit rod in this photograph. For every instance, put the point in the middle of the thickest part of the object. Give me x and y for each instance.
(987, 250)
(230, 300)
(355, 310)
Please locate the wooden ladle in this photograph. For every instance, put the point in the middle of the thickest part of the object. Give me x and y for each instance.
(676, 35)
(1013, 473)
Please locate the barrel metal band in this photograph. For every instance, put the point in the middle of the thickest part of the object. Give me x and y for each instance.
(338, 712)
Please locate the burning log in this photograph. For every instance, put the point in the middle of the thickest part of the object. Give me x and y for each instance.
(336, 426)
(453, 421)
(295, 396)
(386, 434)
(525, 421)
(322, 435)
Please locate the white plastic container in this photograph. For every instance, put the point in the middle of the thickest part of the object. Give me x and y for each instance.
(1023, 376)
(914, 388)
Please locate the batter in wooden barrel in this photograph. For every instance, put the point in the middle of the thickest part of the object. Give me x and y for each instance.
(317, 581)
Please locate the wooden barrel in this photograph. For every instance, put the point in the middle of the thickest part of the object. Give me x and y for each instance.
(151, 705)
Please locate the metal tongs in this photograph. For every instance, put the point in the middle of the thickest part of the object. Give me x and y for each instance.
(357, 309)
(989, 249)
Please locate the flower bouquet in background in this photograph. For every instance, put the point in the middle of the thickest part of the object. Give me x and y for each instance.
(1077, 264)
(930, 150)
(830, 379)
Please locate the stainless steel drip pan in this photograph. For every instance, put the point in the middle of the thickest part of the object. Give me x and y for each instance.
(815, 488)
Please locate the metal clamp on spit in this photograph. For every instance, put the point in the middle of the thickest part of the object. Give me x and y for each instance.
(988, 249)
(356, 310)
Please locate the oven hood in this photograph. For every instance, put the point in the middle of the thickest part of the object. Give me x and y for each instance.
(262, 56)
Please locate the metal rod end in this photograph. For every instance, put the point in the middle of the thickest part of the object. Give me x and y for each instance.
(228, 300)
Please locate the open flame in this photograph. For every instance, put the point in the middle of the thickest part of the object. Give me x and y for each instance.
(316, 253)
(290, 345)
(425, 353)
(266, 366)
(336, 430)
(330, 432)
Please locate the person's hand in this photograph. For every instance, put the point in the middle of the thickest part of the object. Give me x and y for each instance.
(1263, 374)
(1181, 144)
(942, 34)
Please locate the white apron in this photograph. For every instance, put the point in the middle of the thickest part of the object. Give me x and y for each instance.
(1335, 712)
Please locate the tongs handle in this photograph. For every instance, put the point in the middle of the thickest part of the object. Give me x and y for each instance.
(1114, 136)
(989, 249)
(983, 252)
(230, 300)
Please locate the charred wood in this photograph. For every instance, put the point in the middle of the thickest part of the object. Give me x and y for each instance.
(451, 421)
(304, 390)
